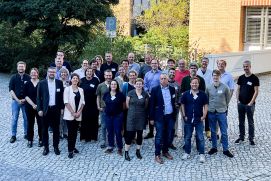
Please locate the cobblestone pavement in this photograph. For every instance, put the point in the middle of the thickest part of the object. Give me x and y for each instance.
(17, 162)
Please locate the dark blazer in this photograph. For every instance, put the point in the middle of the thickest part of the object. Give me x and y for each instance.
(157, 103)
(43, 96)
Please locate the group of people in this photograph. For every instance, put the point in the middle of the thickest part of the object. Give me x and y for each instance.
(127, 98)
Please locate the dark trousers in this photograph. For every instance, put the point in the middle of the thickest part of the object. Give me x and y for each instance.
(72, 133)
(207, 126)
(89, 127)
(130, 135)
(164, 130)
(31, 115)
(52, 119)
(114, 127)
(244, 110)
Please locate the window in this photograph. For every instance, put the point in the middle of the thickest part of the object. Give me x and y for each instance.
(258, 28)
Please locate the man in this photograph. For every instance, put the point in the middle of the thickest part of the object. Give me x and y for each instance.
(152, 79)
(81, 71)
(101, 90)
(226, 77)
(219, 98)
(16, 89)
(96, 72)
(181, 72)
(170, 65)
(206, 74)
(194, 107)
(109, 64)
(246, 94)
(132, 64)
(185, 85)
(50, 106)
(146, 67)
(163, 115)
(60, 56)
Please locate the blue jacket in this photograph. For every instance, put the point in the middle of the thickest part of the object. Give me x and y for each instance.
(157, 103)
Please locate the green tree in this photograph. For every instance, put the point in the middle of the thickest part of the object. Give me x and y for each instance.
(59, 23)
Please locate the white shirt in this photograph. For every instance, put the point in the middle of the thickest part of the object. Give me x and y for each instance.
(207, 76)
(80, 72)
(52, 92)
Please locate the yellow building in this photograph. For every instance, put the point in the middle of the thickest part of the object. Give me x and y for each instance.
(219, 26)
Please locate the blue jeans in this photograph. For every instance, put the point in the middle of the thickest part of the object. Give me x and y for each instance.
(114, 127)
(163, 134)
(244, 110)
(15, 106)
(188, 131)
(221, 119)
(103, 127)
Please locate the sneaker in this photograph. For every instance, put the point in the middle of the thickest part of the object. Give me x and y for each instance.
(212, 151)
(201, 158)
(239, 140)
(228, 153)
(252, 143)
(185, 156)
(12, 139)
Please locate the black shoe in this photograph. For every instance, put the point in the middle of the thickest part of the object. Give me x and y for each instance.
(127, 157)
(25, 137)
(12, 139)
(60, 137)
(29, 144)
(212, 151)
(148, 136)
(56, 150)
(45, 151)
(75, 150)
(65, 136)
(252, 143)
(228, 153)
(238, 141)
(109, 150)
(138, 155)
(70, 155)
(40, 144)
(103, 146)
(172, 147)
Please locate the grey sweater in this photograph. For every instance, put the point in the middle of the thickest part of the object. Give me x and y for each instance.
(219, 98)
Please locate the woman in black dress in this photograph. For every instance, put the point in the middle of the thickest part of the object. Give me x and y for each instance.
(89, 124)
(30, 89)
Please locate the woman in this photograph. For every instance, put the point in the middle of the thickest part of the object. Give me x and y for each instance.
(64, 77)
(114, 104)
(122, 77)
(99, 60)
(74, 102)
(31, 107)
(137, 103)
(90, 114)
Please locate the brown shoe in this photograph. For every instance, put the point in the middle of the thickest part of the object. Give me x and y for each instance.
(158, 159)
(120, 152)
(168, 156)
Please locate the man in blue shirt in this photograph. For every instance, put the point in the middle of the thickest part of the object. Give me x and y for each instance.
(194, 107)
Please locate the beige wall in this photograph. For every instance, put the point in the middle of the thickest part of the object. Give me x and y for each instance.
(217, 25)
(123, 13)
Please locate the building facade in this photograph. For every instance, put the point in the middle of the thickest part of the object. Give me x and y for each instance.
(230, 25)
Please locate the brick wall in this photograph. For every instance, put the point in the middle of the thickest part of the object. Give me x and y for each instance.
(217, 25)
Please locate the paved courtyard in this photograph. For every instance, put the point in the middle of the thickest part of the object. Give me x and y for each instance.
(17, 162)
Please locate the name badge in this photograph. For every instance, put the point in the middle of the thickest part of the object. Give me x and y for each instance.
(219, 91)
(113, 69)
(57, 90)
(140, 97)
(173, 96)
(176, 88)
(91, 85)
(113, 98)
(25, 82)
(195, 97)
(249, 83)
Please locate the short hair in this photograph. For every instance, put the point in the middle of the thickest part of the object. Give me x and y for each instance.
(132, 71)
(125, 60)
(89, 68)
(164, 73)
(107, 70)
(139, 80)
(247, 62)
(205, 58)
(61, 51)
(171, 69)
(222, 60)
(118, 87)
(21, 62)
(51, 68)
(193, 64)
(63, 69)
(76, 75)
(108, 52)
(171, 60)
(193, 78)
(217, 72)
